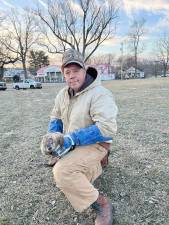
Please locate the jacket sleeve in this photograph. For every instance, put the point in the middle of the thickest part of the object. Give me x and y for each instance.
(103, 111)
(55, 124)
(56, 111)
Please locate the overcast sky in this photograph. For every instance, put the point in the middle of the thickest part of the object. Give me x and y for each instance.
(155, 12)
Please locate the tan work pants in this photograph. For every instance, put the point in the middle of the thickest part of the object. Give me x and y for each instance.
(76, 171)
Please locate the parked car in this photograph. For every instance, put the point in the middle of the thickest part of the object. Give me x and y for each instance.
(28, 83)
(33, 84)
(21, 85)
(3, 85)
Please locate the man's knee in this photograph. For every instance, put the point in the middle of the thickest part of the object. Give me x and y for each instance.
(60, 172)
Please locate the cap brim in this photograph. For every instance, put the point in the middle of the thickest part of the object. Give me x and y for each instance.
(73, 61)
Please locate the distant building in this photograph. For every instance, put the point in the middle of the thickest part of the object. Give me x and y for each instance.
(9, 73)
(105, 71)
(130, 73)
(49, 74)
(53, 73)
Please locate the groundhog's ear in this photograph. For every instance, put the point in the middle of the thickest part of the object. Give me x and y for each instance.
(92, 71)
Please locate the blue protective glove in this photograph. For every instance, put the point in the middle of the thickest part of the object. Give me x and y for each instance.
(55, 125)
(84, 136)
(61, 150)
(87, 136)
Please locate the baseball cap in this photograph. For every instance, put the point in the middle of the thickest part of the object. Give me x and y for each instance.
(72, 56)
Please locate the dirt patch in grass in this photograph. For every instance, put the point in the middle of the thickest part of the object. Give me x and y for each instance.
(136, 180)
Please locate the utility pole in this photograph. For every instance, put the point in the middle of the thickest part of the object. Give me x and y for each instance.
(121, 67)
(156, 68)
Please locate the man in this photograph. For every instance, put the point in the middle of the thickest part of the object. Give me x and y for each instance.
(82, 125)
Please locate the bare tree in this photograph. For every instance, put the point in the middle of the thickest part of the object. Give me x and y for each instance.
(5, 58)
(5, 55)
(100, 59)
(136, 32)
(128, 61)
(163, 53)
(82, 25)
(19, 34)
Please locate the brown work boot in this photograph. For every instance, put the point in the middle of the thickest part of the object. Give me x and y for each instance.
(103, 209)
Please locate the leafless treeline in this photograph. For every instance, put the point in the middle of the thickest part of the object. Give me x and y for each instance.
(59, 25)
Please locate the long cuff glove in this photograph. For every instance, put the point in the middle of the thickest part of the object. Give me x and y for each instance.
(55, 125)
(84, 136)
(61, 150)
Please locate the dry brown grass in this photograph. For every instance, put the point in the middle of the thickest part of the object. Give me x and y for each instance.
(136, 180)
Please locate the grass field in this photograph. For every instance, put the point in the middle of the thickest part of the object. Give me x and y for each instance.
(136, 180)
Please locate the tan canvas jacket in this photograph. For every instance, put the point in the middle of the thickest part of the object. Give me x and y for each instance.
(94, 105)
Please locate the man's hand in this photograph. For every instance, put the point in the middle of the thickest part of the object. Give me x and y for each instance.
(50, 142)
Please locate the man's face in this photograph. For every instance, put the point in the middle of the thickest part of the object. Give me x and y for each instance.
(74, 76)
